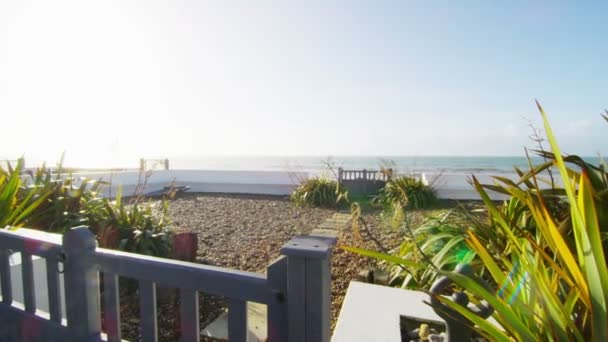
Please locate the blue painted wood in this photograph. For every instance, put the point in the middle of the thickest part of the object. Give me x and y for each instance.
(111, 313)
(296, 298)
(36, 329)
(147, 311)
(277, 310)
(308, 287)
(296, 289)
(27, 275)
(189, 316)
(174, 273)
(81, 282)
(309, 246)
(318, 300)
(43, 244)
(5, 278)
(237, 320)
(53, 291)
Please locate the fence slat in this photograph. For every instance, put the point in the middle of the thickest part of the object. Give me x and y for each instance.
(111, 299)
(296, 294)
(5, 278)
(237, 320)
(188, 314)
(54, 294)
(147, 311)
(27, 272)
(203, 278)
(318, 297)
(277, 312)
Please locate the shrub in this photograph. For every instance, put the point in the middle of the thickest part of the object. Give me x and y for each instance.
(543, 252)
(440, 240)
(142, 228)
(407, 191)
(558, 277)
(17, 205)
(67, 201)
(52, 201)
(318, 192)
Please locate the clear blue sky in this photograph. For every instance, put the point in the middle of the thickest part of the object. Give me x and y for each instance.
(124, 79)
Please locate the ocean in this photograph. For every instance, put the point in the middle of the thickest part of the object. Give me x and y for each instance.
(402, 164)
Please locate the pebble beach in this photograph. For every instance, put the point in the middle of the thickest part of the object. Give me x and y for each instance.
(243, 232)
(246, 232)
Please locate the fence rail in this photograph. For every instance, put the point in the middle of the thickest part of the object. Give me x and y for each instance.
(363, 182)
(296, 289)
(365, 175)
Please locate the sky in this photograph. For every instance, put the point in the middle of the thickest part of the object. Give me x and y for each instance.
(111, 81)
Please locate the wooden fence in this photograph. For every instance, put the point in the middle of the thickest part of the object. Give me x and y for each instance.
(296, 288)
(365, 175)
(363, 182)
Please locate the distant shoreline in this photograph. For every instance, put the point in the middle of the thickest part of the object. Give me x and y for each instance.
(453, 165)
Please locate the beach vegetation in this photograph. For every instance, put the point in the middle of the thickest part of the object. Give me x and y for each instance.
(16, 203)
(50, 200)
(408, 192)
(542, 250)
(319, 191)
(69, 201)
(142, 227)
(441, 239)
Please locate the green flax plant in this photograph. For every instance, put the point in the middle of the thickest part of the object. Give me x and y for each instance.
(543, 252)
(440, 239)
(69, 202)
(319, 192)
(142, 228)
(554, 283)
(16, 204)
(407, 191)
(49, 200)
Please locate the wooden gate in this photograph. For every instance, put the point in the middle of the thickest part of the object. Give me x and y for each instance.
(296, 288)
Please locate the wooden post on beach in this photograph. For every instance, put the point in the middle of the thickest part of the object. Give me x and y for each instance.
(308, 287)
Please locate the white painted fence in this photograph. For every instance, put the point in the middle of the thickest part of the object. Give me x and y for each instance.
(448, 186)
(245, 182)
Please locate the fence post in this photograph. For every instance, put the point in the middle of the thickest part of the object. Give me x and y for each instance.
(308, 287)
(81, 285)
(277, 311)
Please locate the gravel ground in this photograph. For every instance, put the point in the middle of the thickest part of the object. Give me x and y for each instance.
(375, 235)
(246, 232)
(243, 232)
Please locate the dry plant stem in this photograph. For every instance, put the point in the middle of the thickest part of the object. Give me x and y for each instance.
(371, 236)
(537, 137)
(138, 193)
(408, 228)
(330, 165)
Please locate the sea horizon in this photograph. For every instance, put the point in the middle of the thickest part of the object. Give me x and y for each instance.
(317, 164)
(401, 164)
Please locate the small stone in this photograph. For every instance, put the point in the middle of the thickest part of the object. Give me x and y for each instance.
(381, 277)
(366, 276)
(437, 337)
